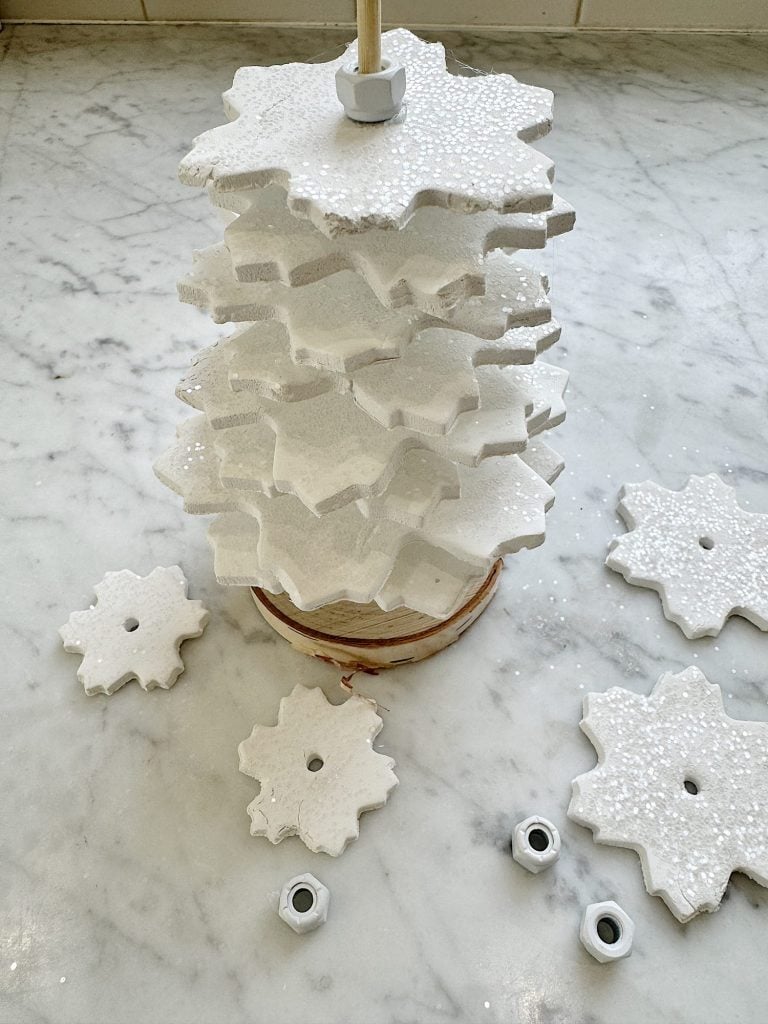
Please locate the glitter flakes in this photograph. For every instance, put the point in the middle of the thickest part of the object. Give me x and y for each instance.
(706, 556)
(459, 142)
(681, 783)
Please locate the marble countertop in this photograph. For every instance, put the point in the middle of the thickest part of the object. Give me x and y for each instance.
(130, 888)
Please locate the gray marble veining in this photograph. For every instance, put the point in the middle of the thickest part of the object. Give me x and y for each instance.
(130, 889)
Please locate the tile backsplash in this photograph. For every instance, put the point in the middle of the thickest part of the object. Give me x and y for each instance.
(555, 14)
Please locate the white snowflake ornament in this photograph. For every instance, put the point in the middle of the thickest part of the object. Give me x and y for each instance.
(682, 784)
(459, 142)
(706, 556)
(318, 770)
(134, 631)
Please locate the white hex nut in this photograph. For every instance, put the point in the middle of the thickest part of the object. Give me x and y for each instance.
(607, 931)
(535, 844)
(304, 903)
(374, 97)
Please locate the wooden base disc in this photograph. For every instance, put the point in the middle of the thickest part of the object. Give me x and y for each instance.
(363, 636)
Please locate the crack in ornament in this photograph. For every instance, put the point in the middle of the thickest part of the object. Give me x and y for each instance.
(134, 630)
(320, 806)
(680, 782)
(705, 556)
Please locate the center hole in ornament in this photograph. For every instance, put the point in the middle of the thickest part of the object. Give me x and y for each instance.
(130, 625)
(707, 543)
(608, 930)
(315, 763)
(690, 787)
(538, 840)
(303, 900)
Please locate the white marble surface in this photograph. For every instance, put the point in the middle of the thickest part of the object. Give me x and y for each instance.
(130, 889)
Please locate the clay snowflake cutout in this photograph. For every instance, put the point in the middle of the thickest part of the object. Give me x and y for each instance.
(434, 262)
(682, 784)
(134, 631)
(706, 556)
(318, 770)
(459, 142)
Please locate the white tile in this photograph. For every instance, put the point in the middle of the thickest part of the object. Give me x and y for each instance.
(328, 12)
(561, 13)
(557, 13)
(72, 10)
(682, 14)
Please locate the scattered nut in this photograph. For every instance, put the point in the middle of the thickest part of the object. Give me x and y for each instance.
(535, 844)
(607, 931)
(304, 903)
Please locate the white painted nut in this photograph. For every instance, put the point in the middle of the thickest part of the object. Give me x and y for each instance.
(304, 903)
(535, 844)
(607, 931)
(374, 97)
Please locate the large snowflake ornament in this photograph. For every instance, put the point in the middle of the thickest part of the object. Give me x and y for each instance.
(706, 556)
(681, 783)
(318, 770)
(459, 142)
(134, 630)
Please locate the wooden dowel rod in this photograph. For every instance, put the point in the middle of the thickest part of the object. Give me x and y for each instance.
(369, 36)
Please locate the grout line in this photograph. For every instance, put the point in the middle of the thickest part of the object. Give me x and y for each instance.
(418, 26)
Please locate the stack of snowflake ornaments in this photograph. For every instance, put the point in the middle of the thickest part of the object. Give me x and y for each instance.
(371, 430)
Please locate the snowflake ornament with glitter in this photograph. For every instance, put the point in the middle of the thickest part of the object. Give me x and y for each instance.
(459, 142)
(681, 783)
(706, 556)
(134, 630)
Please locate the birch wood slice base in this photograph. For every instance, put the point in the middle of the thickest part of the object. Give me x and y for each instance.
(363, 636)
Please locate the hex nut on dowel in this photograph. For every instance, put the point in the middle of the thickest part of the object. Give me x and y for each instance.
(374, 97)
(535, 844)
(607, 931)
(304, 902)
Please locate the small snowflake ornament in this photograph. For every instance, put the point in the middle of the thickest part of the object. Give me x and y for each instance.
(318, 770)
(134, 630)
(706, 556)
(682, 784)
